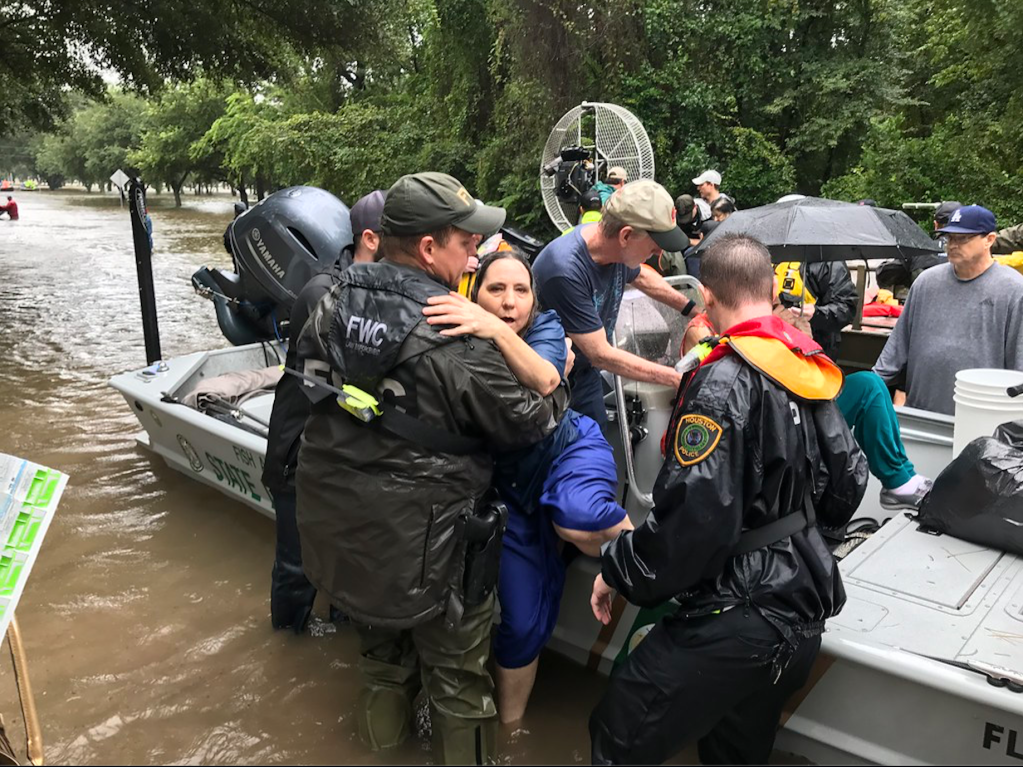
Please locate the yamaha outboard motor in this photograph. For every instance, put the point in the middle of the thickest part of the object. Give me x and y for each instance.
(278, 246)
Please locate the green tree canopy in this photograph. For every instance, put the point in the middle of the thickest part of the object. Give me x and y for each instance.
(47, 47)
(912, 100)
(175, 121)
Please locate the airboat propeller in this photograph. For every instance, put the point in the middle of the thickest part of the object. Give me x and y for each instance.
(584, 145)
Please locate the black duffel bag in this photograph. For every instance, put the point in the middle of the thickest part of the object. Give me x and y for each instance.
(979, 496)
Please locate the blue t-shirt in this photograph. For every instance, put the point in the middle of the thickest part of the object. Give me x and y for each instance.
(586, 295)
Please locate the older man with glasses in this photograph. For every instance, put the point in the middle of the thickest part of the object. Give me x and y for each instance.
(964, 314)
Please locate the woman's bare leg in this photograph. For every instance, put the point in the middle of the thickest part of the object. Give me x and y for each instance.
(513, 688)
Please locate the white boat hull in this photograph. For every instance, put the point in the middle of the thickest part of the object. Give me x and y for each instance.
(206, 449)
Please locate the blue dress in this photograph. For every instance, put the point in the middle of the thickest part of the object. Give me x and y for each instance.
(569, 479)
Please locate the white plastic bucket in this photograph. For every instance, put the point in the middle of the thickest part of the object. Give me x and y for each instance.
(983, 399)
(988, 379)
(982, 405)
(974, 389)
(979, 391)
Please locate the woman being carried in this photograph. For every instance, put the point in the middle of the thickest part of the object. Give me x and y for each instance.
(563, 487)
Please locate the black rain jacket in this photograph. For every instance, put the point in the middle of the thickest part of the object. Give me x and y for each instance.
(291, 406)
(829, 282)
(771, 444)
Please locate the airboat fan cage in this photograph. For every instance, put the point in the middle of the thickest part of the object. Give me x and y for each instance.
(615, 135)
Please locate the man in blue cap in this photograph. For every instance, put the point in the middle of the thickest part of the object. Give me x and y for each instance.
(964, 314)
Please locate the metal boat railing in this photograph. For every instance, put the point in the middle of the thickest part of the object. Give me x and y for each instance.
(645, 499)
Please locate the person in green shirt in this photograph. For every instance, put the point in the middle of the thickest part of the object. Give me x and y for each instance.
(616, 178)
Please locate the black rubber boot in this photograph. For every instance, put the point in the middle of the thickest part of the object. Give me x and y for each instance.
(291, 593)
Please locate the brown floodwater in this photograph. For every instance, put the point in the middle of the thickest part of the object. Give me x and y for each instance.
(146, 618)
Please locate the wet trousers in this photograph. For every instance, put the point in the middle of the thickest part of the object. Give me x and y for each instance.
(720, 680)
(451, 666)
(291, 593)
(868, 409)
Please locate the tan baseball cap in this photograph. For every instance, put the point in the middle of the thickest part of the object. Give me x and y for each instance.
(616, 174)
(646, 205)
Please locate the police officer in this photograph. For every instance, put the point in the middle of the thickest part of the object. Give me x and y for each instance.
(393, 466)
(291, 593)
(758, 457)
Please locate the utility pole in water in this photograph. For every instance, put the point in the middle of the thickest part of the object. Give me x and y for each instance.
(144, 264)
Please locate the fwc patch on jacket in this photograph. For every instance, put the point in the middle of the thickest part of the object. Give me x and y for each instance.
(696, 436)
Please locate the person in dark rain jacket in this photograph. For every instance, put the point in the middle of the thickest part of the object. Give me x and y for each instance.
(759, 458)
(821, 292)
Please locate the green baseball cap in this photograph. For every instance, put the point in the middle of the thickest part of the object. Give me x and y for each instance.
(420, 203)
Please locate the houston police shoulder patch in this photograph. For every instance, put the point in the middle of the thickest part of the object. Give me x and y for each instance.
(695, 438)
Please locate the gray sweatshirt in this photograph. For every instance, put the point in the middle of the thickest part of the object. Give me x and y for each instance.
(950, 325)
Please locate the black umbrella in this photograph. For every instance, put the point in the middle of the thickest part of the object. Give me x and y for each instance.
(814, 229)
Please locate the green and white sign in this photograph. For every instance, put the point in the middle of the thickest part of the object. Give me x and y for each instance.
(29, 494)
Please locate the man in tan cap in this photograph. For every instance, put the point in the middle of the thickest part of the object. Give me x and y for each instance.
(582, 276)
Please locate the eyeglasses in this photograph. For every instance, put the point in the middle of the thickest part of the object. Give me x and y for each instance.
(960, 239)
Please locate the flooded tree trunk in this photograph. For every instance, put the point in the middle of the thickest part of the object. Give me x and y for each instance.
(176, 187)
(260, 187)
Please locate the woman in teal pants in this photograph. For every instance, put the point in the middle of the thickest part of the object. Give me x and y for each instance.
(867, 407)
